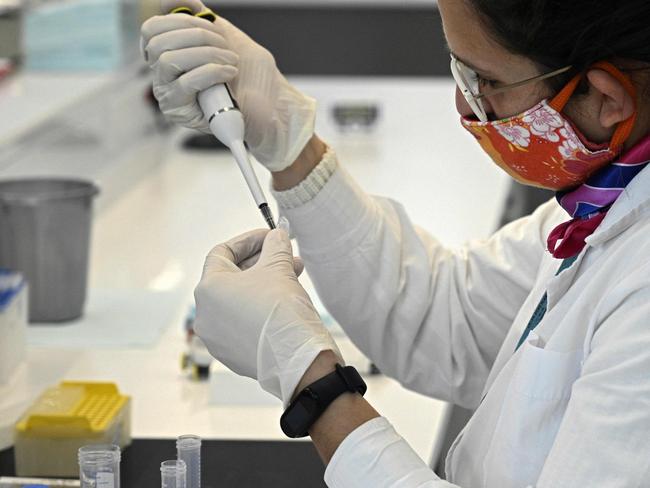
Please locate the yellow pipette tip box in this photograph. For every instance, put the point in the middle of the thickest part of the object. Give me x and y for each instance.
(66, 417)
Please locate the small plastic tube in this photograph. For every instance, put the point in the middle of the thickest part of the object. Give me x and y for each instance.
(99, 466)
(284, 224)
(188, 448)
(173, 474)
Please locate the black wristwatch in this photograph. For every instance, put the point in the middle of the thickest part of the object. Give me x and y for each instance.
(311, 402)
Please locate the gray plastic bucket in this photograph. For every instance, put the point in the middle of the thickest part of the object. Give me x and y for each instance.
(45, 229)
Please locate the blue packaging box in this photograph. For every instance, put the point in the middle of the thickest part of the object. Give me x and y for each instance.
(81, 35)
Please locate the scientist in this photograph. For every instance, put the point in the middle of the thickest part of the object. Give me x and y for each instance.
(544, 328)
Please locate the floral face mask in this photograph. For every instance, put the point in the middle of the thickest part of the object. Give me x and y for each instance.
(542, 148)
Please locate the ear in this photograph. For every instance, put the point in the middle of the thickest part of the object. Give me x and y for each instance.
(617, 104)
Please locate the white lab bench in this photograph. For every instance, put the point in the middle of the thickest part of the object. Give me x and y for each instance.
(154, 231)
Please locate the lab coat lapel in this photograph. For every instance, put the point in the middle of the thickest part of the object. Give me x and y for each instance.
(559, 284)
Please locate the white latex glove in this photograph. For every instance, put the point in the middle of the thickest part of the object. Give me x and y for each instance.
(258, 320)
(189, 54)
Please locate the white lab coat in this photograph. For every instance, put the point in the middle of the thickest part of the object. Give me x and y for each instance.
(570, 408)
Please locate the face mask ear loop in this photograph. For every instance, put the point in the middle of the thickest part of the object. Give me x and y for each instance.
(560, 100)
(624, 129)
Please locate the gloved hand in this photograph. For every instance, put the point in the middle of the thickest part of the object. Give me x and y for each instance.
(189, 54)
(258, 320)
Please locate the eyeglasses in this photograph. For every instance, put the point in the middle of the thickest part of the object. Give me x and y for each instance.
(469, 83)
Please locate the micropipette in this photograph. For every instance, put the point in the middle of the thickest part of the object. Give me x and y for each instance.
(227, 124)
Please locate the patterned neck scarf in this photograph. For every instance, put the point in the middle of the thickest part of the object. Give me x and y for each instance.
(588, 204)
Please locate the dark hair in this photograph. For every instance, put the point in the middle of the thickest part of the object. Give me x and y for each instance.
(557, 33)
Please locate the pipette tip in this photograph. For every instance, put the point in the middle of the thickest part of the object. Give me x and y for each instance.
(268, 215)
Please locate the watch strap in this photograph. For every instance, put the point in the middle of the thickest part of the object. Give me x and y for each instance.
(312, 401)
(343, 379)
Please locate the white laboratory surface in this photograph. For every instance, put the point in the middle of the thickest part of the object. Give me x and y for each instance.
(154, 226)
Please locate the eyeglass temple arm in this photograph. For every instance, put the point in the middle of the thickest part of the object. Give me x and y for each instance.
(524, 82)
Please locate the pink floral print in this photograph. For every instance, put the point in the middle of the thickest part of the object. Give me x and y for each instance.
(517, 135)
(570, 143)
(543, 123)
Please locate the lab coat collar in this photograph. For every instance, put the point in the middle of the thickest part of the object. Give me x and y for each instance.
(631, 206)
